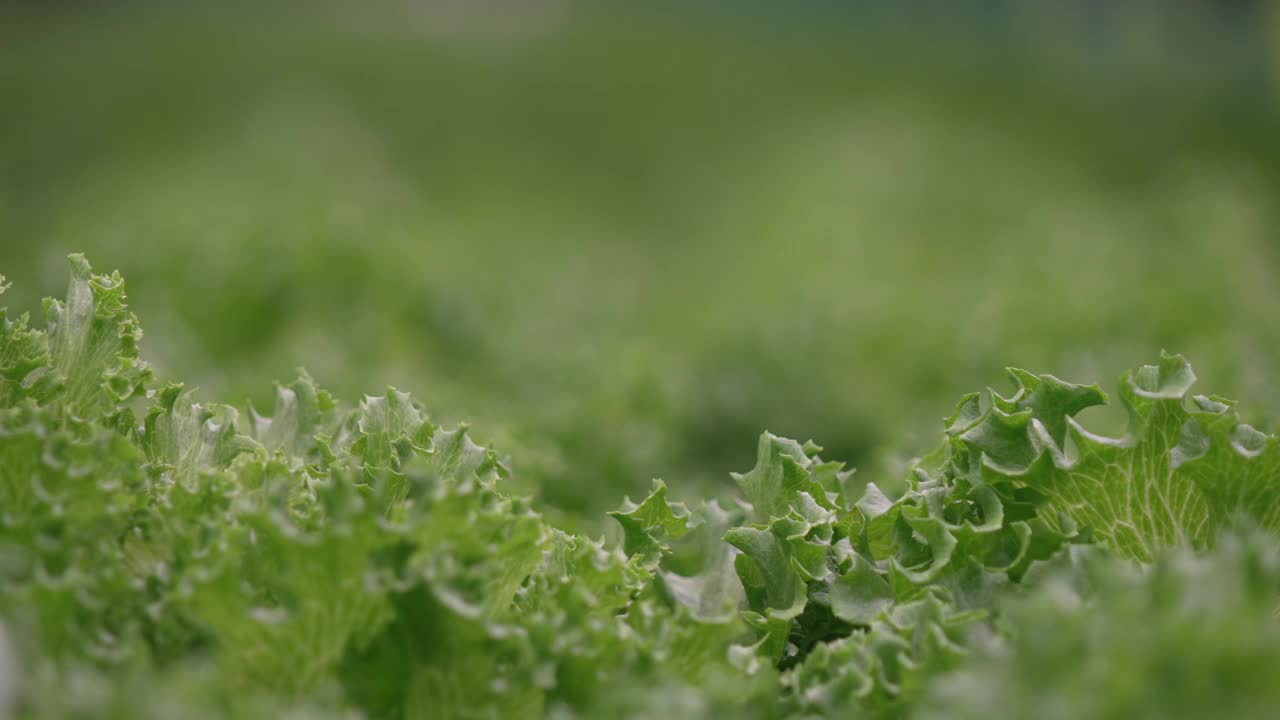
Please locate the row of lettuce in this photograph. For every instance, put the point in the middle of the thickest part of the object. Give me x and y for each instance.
(161, 557)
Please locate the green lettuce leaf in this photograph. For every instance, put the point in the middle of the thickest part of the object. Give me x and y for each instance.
(1185, 467)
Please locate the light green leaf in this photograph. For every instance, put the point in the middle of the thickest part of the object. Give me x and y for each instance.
(391, 428)
(768, 556)
(1185, 467)
(301, 411)
(182, 438)
(714, 592)
(646, 525)
(783, 470)
(93, 341)
(860, 593)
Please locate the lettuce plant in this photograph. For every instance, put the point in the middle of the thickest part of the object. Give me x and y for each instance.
(163, 556)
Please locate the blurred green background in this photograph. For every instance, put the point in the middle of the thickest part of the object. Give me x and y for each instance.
(621, 242)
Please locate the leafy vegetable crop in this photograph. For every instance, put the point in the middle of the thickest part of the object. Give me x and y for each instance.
(165, 557)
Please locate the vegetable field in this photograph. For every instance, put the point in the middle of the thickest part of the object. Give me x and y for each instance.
(574, 363)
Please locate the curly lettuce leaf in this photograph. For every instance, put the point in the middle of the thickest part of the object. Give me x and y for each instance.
(1183, 470)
